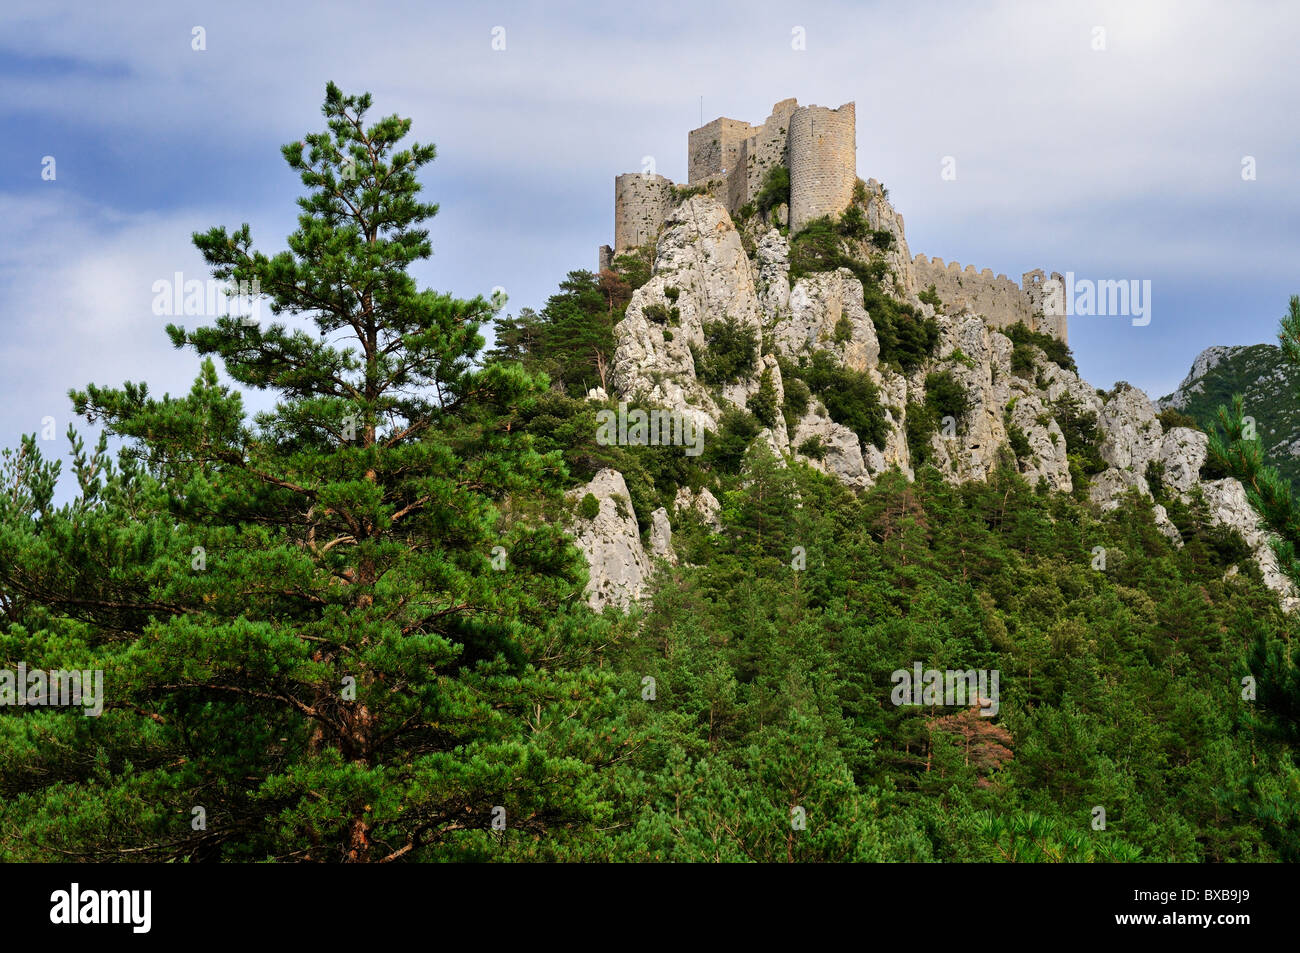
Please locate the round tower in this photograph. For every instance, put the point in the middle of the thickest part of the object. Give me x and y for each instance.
(641, 203)
(823, 162)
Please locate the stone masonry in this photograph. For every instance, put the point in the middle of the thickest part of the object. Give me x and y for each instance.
(730, 159)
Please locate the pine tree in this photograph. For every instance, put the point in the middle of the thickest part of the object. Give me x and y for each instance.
(318, 625)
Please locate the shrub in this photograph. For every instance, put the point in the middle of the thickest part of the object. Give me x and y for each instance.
(589, 508)
(736, 430)
(1155, 477)
(843, 330)
(931, 297)
(1022, 360)
(797, 396)
(656, 312)
(774, 191)
(763, 403)
(635, 266)
(1057, 351)
(853, 224)
(921, 425)
(813, 448)
(946, 396)
(1082, 438)
(1172, 417)
(850, 396)
(731, 348)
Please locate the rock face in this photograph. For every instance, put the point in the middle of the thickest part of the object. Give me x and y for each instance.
(1015, 394)
(618, 564)
(704, 504)
(1269, 385)
(1229, 506)
(701, 275)
(661, 536)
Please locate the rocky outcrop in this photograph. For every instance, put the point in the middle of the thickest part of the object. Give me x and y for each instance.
(839, 449)
(1133, 435)
(826, 313)
(702, 274)
(619, 569)
(773, 284)
(661, 536)
(704, 504)
(1230, 507)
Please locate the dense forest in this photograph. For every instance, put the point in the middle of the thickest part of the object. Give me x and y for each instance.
(352, 628)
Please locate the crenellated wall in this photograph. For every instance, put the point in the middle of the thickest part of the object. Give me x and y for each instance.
(999, 299)
(730, 159)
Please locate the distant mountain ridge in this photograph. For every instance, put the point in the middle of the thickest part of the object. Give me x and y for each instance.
(1270, 386)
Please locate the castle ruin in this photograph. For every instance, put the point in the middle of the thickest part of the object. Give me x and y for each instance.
(730, 160)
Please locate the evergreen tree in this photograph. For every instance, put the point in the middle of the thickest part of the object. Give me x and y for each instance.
(319, 625)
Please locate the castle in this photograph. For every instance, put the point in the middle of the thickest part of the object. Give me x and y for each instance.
(730, 159)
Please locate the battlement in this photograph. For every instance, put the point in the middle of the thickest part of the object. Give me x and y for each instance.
(730, 159)
(999, 299)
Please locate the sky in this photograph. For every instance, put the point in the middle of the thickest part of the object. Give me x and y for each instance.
(1129, 140)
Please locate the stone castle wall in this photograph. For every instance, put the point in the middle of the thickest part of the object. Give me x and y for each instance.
(715, 147)
(641, 203)
(766, 147)
(730, 159)
(823, 162)
(999, 299)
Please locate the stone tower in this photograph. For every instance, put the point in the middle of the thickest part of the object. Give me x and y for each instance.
(823, 162)
(641, 203)
(730, 159)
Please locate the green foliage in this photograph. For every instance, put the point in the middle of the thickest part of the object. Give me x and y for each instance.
(1016, 438)
(774, 191)
(843, 332)
(763, 404)
(352, 532)
(851, 398)
(813, 447)
(680, 193)
(853, 224)
(797, 396)
(1082, 437)
(944, 397)
(906, 338)
(571, 340)
(589, 508)
(656, 313)
(1269, 385)
(1022, 360)
(1172, 417)
(931, 297)
(731, 348)
(725, 450)
(635, 267)
(1056, 350)
(298, 615)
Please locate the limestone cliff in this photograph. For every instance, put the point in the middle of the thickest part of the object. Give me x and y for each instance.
(1019, 403)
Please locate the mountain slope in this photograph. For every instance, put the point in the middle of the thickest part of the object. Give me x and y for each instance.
(1270, 385)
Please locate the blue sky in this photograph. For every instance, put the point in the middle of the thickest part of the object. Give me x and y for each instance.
(1124, 162)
